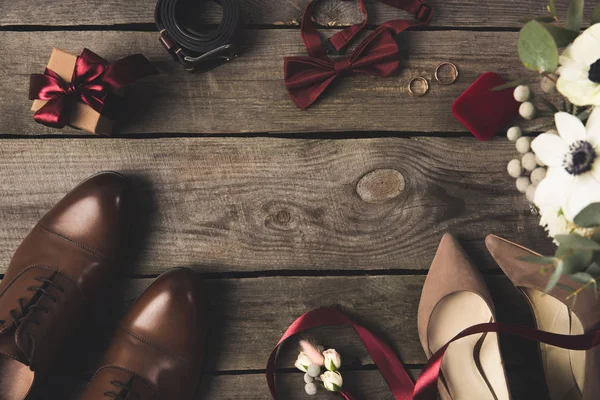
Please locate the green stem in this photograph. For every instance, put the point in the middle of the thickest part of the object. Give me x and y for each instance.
(576, 292)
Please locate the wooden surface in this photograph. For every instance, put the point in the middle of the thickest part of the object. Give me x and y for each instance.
(260, 204)
(247, 95)
(278, 225)
(448, 13)
(241, 341)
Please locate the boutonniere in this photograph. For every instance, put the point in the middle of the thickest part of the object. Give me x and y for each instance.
(320, 366)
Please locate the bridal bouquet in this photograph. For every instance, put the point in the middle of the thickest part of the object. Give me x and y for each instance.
(559, 170)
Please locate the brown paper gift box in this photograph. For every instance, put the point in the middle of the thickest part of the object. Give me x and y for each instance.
(82, 116)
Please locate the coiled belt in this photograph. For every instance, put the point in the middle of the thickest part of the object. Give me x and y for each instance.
(194, 49)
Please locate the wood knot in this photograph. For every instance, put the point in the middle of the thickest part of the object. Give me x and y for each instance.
(380, 186)
(283, 217)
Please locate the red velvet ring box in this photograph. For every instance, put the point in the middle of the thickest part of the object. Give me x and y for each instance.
(483, 111)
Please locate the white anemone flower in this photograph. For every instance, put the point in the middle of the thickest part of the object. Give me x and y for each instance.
(579, 70)
(573, 178)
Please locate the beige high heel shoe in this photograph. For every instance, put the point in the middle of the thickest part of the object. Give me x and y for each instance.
(570, 375)
(454, 298)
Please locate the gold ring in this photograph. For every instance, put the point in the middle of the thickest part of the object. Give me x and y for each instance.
(437, 73)
(425, 84)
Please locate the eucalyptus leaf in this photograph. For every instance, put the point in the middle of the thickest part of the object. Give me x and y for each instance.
(583, 278)
(566, 288)
(574, 15)
(538, 259)
(552, 8)
(596, 15)
(568, 106)
(593, 270)
(589, 217)
(584, 115)
(577, 242)
(562, 36)
(574, 260)
(548, 104)
(537, 48)
(512, 84)
(555, 277)
(541, 19)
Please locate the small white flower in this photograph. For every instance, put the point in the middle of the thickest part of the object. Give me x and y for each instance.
(572, 181)
(332, 381)
(302, 362)
(555, 223)
(579, 70)
(333, 361)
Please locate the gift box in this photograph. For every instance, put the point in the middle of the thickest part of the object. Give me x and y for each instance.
(84, 91)
(483, 110)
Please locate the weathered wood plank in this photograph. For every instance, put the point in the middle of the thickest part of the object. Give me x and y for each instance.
(451, 13)
(246, 318)
(254, 204)
(248, 94)
(362, 384)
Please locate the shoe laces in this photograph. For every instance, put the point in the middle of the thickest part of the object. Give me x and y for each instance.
(125, 390)
(18, 315)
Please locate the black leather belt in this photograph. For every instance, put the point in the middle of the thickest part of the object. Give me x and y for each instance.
(194, 49)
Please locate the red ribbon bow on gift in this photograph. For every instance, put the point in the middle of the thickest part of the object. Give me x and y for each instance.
(307, 77)
(93, 80)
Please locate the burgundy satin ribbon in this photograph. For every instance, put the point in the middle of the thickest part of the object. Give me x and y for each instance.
(93, 80)
(307, 77)
(426, 386)
(391, 368)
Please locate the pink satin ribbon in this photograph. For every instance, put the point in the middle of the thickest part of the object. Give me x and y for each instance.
(390, 366)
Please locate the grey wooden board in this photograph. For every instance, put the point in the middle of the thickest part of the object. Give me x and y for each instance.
(368, 385)
(254, 204)
(248, 316)
(363, 384)
(452, 13)
(248, 94)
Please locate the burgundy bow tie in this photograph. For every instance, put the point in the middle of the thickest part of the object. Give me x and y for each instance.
(307, 77)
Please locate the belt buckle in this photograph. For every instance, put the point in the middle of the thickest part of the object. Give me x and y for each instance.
(218, 56)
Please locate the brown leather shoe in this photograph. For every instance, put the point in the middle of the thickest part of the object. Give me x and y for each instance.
(62, 263)
(157, 350)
